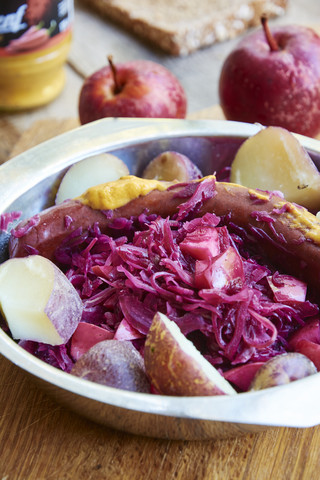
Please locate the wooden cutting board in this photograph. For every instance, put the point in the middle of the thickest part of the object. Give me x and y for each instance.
(41, 440)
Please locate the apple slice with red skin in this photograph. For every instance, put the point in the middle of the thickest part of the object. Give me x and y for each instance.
(86, 336)
(176, 367)
(221, 272)
(243, 375)
(310, 331)
(204, 242)
(125, 331)
(307, 341)
(288, 290)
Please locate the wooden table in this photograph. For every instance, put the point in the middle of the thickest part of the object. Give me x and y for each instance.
(39, 439)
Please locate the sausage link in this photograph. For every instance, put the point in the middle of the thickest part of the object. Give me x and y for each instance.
(288, 234)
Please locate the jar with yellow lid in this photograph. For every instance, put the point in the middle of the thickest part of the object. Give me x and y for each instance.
(35, 37)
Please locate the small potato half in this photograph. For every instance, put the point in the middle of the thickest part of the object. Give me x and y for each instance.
(274, 159)
(38, 301)
(89, 172)
(113, 363)
(170, 166)
(282, 369)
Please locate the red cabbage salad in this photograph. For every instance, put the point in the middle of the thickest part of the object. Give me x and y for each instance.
(205, 273)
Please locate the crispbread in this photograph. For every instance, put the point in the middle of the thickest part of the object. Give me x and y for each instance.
(180, 27)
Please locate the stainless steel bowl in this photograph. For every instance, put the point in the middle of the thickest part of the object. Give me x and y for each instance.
(26, 183)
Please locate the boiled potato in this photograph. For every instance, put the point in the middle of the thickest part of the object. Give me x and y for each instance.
(88, 173)
(170, 166)
(273, 159)
(176, 367)
(113, 363)
(37, 300)
(282, 369)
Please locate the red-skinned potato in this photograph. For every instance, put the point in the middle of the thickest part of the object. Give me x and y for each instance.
(38, 301)
(176, 367)
(281, 370)
(113, 363)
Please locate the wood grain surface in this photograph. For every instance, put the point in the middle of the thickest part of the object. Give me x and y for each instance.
(39, 439)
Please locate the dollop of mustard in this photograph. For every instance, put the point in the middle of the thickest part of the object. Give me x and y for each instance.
(112, 195)
(303, 220)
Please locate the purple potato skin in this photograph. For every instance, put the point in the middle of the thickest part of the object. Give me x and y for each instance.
(170, 165)
(113, 363)
(281, 370)
(64, 307)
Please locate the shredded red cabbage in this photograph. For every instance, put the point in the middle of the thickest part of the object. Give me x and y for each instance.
(21, 231)
(7, 218)
(171, 265)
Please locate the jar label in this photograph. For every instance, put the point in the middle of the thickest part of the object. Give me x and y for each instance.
(30, 25)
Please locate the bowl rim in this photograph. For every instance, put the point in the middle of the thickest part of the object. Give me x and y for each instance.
(269, 407)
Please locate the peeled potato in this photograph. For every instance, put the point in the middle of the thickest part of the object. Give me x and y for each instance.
(282, 369)
(37, 300)
(113, 363)
(176, 367)
(88, 173)
(274, 159)
(170, 166)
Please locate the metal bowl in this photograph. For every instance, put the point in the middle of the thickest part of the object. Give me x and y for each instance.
(27, 183)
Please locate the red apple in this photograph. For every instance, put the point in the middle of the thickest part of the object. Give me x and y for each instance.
(273, 77)
(138, 88)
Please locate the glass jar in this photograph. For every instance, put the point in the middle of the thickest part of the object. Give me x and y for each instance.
(35, 37)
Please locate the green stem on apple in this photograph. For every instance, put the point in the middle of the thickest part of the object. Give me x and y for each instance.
(270, 38)
(117, 86)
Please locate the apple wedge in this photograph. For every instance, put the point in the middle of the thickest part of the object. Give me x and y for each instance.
(88, 173)
(176, 367)
(273, 159)
(37, 300)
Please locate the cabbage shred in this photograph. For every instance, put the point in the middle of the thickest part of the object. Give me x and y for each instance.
(204, 273)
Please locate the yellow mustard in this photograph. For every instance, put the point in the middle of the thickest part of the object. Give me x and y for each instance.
(111, 195)
(301, 219)
(296, 217)
(35, 40)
